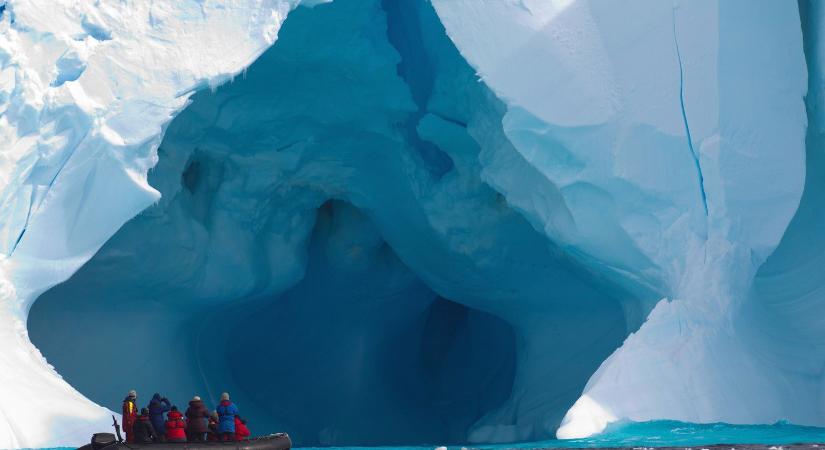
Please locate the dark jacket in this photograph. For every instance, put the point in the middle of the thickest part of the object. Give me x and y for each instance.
(143, 430)
(157, 406)
(226, 412)
(241, 431)
(212, 435)
(197, 415)
(175, 427)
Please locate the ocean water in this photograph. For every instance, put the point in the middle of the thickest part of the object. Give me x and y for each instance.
(657, 434)
(677, 434)
(651, 434)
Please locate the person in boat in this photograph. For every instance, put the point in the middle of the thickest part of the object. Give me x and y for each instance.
(157, 407)
(143, 430)
(129, 415)
(241, 430)
(197, 420)
(175, 426)
(226, 418)
(212, 434)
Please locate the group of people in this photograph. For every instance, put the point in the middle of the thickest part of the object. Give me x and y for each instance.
(197, 424)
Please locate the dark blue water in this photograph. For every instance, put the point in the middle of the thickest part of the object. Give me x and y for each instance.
(655, 434)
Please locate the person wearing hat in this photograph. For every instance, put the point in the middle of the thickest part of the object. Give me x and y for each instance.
(197, 416)
(212, 434)
(130, 415)
(158, 406)
(143, 430)
(175, 426)
(226, 414)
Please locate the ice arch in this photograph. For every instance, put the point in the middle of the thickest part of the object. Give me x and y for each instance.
(326, 248)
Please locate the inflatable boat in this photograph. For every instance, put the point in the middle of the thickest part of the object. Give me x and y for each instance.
(108, 441)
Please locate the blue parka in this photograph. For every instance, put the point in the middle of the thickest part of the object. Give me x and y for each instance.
(226, 414)
(157, 406)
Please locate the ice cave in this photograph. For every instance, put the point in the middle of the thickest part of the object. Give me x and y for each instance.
(325, 249)
(387, 222)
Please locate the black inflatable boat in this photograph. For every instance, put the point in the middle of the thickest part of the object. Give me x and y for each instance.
(108, 441)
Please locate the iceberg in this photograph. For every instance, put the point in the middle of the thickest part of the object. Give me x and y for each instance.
(405, 222)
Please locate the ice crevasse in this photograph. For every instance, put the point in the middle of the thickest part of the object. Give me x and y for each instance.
(383, 221)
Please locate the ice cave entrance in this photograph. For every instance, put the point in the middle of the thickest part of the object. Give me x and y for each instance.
(327, 251)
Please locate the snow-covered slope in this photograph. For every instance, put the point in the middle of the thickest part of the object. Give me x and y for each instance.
(594, 231)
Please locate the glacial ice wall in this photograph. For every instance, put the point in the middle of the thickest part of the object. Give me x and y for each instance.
(443, 221)
(664, 167)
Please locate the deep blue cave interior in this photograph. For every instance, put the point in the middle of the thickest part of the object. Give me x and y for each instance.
(327, 250)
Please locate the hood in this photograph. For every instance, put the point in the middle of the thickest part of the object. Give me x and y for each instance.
(196, 403)
(225, 402)
(175, 415)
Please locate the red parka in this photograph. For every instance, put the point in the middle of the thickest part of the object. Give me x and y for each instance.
(241, 431)
(129, 417)
(175, 426)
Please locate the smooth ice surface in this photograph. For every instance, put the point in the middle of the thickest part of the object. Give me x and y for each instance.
(410, 221)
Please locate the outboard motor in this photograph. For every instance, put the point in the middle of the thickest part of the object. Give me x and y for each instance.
(103, 440)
